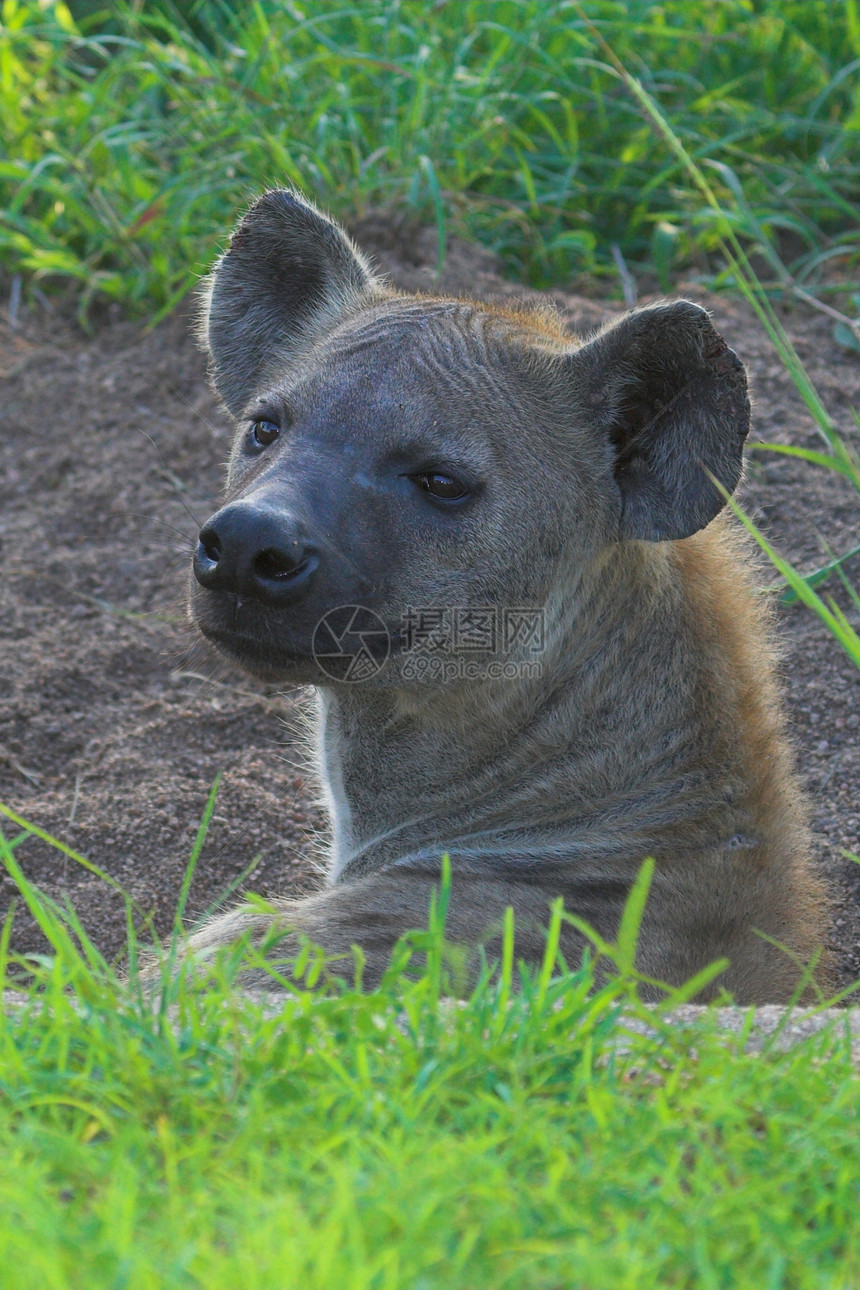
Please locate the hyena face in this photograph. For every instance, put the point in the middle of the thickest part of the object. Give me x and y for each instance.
(399, 452)
(403, 464)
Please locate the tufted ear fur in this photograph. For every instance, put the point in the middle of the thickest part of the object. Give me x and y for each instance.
(672, 397)
(288, 275)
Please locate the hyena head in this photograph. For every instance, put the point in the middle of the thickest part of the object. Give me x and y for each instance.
(412, 455)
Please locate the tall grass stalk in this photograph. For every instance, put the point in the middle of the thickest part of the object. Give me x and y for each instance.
(841, 457)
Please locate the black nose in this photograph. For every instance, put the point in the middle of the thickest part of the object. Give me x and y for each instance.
(255, 551)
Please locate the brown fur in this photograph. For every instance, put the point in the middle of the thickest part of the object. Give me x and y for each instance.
(653, 727)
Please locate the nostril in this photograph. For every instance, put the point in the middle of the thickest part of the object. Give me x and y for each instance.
(210, 544)
(272, 563)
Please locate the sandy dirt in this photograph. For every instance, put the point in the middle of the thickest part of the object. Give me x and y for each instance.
(114, 721)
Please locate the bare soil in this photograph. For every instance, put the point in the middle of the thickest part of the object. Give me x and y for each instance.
(114, 721)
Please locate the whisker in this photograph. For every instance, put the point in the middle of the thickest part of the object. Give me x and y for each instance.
(219, 434)
(168, 472)
(156, 519)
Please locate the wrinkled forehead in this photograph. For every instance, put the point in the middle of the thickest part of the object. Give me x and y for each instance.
(436, 337)
(417, 355)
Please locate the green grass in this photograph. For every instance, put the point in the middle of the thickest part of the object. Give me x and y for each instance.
(132, 137)
(343, 1140)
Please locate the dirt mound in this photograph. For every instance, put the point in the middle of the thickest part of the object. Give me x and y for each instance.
(114, 721)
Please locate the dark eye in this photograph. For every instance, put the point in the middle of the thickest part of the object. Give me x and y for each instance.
(264, 432)
(445, 487)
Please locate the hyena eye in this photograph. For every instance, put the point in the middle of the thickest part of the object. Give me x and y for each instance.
(445, 487)
(264, 432)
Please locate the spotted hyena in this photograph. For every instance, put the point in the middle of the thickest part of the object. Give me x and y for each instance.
(498, 553)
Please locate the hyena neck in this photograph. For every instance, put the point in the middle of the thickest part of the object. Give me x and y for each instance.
(635, 740)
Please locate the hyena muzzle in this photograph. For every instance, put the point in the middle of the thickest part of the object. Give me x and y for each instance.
(497, 553)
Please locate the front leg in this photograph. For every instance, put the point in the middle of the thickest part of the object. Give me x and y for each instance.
(375, 911)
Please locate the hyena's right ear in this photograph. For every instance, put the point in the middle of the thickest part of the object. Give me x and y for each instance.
(287, 277)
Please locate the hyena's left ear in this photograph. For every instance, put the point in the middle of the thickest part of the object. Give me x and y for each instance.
(288, 275)
(672, 398)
